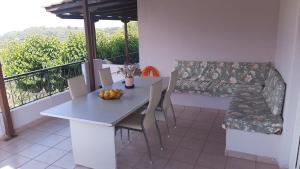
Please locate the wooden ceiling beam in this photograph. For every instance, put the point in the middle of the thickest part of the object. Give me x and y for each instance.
(111, 13)
(106, 9)
(120, 8)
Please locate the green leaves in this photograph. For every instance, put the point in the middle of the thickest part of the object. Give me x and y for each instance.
(42, 51)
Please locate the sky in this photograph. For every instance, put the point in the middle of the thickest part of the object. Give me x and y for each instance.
(17, 15)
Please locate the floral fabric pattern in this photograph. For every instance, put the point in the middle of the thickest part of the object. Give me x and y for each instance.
(227, 72)
(222, 89)
(274, 91)
(191, 86)
(249, 112)
(257, 90)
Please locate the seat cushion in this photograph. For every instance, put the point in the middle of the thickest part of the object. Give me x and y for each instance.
(133, 121)
(222, 89)
(249, 112)
(191, 86)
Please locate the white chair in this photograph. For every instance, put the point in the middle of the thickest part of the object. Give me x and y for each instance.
(77, 87)
(138, 121)
(105, 77)
(165, 102)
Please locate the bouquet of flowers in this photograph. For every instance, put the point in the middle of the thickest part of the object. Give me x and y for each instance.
(128, 70)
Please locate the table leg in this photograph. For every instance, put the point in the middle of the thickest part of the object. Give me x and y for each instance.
(93, 145)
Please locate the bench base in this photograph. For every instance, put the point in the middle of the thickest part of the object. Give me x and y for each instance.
(196, 100)
(252, 146)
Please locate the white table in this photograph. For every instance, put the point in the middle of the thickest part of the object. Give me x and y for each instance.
(92, 121)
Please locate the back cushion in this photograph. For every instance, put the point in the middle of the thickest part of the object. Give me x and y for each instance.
(192, 70)
(238, 72)
(274, 91)
(227, 72)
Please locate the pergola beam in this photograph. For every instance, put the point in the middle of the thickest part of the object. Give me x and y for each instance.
(125, 21)
(6, 114)
(89, 25)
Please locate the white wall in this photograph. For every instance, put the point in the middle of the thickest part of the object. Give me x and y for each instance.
(231, 30)
(287, 61)
(28, 113)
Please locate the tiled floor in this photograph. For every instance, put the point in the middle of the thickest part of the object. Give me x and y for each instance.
(198, 142)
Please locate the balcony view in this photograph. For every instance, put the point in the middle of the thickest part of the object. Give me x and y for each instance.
(136, 84)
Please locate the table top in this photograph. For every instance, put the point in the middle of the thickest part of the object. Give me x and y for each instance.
(91, 108)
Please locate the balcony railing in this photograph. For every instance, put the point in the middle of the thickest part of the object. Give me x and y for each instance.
(31, 86)
(28, 87)
(133, 58)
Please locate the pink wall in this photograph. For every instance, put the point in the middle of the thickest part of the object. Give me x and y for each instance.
(231, 30)
(287, 61)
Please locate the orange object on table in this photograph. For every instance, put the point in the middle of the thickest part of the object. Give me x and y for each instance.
(150, 71)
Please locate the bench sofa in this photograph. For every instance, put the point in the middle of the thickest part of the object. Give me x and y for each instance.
(257, 91)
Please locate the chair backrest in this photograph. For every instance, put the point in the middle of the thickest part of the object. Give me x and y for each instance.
(105, 77)
(167, 97)
(155, 95)
(77, 87)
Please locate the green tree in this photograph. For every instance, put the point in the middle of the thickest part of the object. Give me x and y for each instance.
(74, 48)
(35, 52)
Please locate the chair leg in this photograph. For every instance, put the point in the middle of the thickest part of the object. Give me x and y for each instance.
(174, 117)
(128, 134)
(159, 136)
(121, 133)
(148, 146)
(168, 130)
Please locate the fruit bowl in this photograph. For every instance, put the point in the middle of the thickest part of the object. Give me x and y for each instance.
(111, 94)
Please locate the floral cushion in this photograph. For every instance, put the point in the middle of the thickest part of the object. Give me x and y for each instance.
(249, 112)
(228, 72)
(274, 92)
(191, 86)
(193, 70)
(229, 89)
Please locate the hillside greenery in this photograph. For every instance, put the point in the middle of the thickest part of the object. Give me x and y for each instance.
(37, 50)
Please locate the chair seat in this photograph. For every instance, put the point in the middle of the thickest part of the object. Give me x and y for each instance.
(133, 121)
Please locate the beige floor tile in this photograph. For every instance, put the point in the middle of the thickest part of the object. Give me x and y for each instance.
(81, 167)
(167, 152)
(33, 151)
(50, 156)
(54, 167)
(50, 140)
(188, 115)
(211, 161)
(129, 158)
(4, 155)
(265, 166)
(197, 134)
(178, 165)
(33, 135)
(144, 162)
(214, 148)
(64, 132)
(66, 162)
(65, 145)
(34, 165)
(16, 147)
(235, 163)
(193, 144)
(14, 161)
(185, 155)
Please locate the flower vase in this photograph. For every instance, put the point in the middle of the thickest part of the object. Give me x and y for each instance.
(129, 82)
